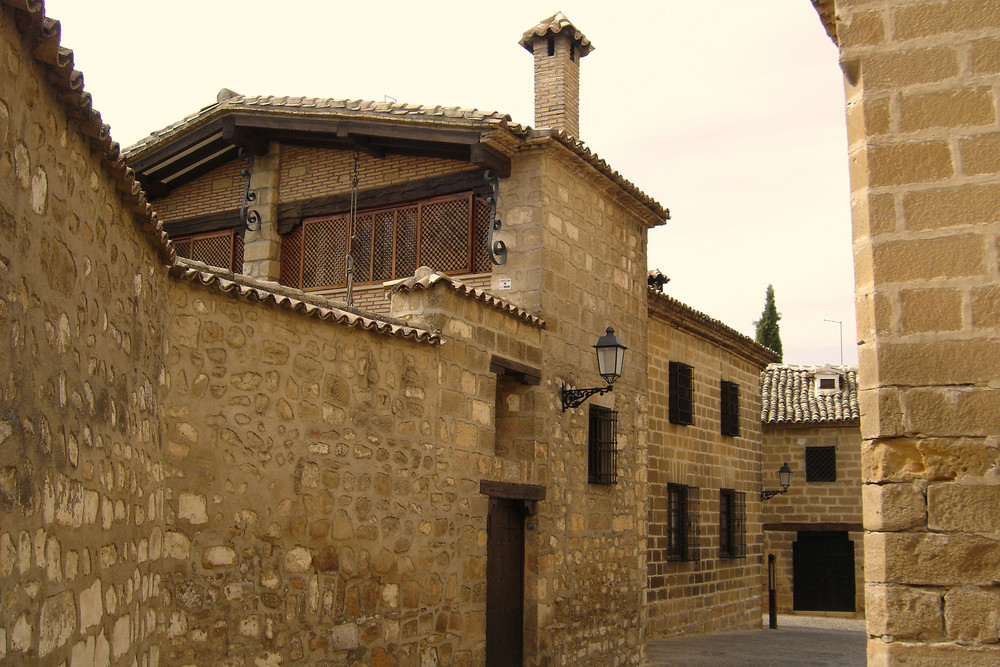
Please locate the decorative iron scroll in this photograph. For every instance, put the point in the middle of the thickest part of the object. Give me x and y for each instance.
(248, 216)
(497, 249)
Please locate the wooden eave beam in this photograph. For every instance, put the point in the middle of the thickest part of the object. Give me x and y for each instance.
(489, 158)
(244, 137)
(146, 163)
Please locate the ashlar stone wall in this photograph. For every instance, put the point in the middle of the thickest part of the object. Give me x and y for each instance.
(709, 593)
(82, 315)
(820, 506)
(921, 85)
(559, 221)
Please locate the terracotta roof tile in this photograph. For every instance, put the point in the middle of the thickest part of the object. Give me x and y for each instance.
(789, 395)
(425, 278)
(554, 25)
(311, 305)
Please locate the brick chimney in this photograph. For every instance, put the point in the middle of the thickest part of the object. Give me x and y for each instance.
(557, 46)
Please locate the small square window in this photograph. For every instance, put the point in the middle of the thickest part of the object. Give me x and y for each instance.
(730, 397)
(602, 459)
(827, 383)
(682, 526)
(821, 464)
(732, 524)
(681, 400)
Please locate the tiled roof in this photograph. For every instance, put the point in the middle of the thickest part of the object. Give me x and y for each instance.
(828, 15)
(686, 318)
(316, 106)
(42, 37)
(789, 395)
(556, 24)
(425, 277)
(280, 296)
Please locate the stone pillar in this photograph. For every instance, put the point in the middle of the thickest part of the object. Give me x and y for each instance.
(262, 249)
(924, 141)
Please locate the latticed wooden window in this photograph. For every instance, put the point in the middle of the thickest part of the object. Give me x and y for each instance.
(730, 395)
(602, 455)
(447, 234)
(821, 464)
(222, 249)
(681, 394)
(732, 524)
(682, 522)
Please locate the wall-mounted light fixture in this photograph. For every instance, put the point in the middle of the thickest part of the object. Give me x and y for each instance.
(610, 360)
(784, 478)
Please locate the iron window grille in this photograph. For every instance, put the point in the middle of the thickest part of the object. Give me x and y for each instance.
(448, 234)
(730, 395)
(821, 464)
(681, 401)
(732, 524)
(602, 459)
(222, 249)
(682, 522)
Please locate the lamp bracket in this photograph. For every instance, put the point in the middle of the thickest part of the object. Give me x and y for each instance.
(572, 398)
(767, 494)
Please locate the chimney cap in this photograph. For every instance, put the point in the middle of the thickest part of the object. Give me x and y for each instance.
(554, 25)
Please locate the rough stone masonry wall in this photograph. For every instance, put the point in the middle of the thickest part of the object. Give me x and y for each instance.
(558, 224)
(923, 130)
(811, 504)
(711, 594)
(82, 298)
(323, 486)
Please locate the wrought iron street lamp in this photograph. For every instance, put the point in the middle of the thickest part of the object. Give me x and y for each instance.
(784, 478)
(610, 361)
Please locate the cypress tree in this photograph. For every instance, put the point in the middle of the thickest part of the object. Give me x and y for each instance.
(768, 334)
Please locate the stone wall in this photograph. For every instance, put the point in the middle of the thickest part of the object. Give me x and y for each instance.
(558, 224)
(921, 85)
(82, 311)
(323, 486)
(812, 506)
(711, 593)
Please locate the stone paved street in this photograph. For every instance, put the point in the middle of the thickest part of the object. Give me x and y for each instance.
(798, 641)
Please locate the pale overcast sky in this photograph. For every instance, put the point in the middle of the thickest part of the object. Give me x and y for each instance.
(730, 114)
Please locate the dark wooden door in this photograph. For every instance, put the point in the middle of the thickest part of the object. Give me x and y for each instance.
(505, 584)
(823, 572)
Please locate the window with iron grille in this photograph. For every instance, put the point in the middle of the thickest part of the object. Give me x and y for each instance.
(602, 466)
(730, 392)
(682, 522)
(732, 524)
(681, 395)
(447, 234)
(821, 464)
(222, 249)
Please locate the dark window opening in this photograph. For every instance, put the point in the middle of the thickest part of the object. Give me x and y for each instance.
(602, 467)
(821, 464)
(552, 46)
(732, 524)
(827, 383)
(572, 52)
(682, 522)
(681, 401)
(730, 408)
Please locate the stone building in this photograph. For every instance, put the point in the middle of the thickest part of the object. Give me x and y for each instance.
(705, 541)
(250, 460)
(810, 420)
(921, 85)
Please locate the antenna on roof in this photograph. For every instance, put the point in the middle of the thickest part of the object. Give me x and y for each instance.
(388, 98)
(841, 338)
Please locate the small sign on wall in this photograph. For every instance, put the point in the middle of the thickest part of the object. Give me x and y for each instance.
(504, 283)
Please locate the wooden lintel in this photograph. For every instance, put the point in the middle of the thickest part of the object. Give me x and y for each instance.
(332, 125)
(202, 224)
(291, 213)
(513, 490)
(521, 372)
(489, 158)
